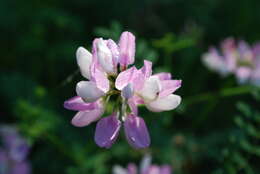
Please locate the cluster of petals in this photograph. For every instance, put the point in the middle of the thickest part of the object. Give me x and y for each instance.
(13, 152)
(234, 58)
(145, 168)
(108, 74)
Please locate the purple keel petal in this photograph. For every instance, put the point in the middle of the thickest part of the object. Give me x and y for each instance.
(136, 132)
(126, 49)
(77, 104)
(107, 131)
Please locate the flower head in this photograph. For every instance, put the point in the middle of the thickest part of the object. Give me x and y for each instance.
(235, 58)
(108, 76)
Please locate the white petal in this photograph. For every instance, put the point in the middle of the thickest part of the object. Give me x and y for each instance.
(164, 104)
(88, 91)
(84, 60)
(150, 89)
(105, 56)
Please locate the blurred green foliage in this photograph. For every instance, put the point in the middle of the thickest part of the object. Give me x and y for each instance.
(215, 130)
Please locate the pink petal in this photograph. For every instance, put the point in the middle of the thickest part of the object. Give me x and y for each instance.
(84, 118)
(169, 86)
(124, 78)
(77, 104)
(163, 76)
(136, 132)
(107, 131)
(147, 68)
(138, 79)
(133, 102)
(104, 56)
(126, 49)
(114, 50)
(100, 78)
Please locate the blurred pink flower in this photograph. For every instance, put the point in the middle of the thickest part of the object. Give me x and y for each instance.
(13, 152)
(107, 73)
(239, 59)
(145, 168)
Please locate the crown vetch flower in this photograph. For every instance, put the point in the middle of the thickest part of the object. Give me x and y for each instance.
(145, 168)
(239, 59)
(108, 76)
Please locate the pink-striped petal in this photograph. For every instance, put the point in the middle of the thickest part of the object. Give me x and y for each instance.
(126, 49)
(169, 86)
(124, 78)
(163, 76)
(114, 50)
(84, 118)
(147, 68)
(136, 132)
(138, 80)
(77, 104)
(104, 56)
(101, 80)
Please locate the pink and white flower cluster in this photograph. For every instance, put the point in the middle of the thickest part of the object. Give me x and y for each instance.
(235, 58)
(145, 168)
(110, 79)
